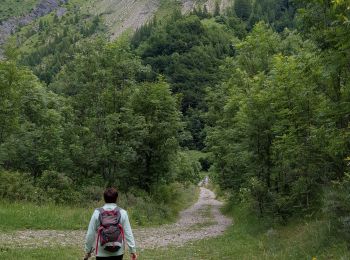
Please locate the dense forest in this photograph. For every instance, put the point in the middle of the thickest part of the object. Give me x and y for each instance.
(262, 88)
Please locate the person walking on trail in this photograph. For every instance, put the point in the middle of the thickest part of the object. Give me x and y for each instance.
(112, 227)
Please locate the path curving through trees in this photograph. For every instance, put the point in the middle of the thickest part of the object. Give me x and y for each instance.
(202, 220)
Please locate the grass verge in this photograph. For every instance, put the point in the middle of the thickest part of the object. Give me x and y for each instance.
(143, 211)
(41, 253)
(254, 238)
(248, 238)
(25, 215)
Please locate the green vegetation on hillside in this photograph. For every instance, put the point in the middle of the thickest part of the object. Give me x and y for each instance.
(51, 41)
(15, 8)
(188, 51)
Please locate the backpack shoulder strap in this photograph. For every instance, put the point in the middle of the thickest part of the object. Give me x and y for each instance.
(118, 214)
(100, 210)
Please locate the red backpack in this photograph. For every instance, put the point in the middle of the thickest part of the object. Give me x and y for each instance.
(110, 234)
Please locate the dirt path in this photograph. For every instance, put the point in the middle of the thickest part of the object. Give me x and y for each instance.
(202, 220)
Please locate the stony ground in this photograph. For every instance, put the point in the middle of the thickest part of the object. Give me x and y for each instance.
(202, 220)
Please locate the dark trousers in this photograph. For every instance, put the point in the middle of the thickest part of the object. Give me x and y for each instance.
(119, 257)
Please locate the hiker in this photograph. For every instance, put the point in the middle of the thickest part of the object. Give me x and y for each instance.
(112, 227)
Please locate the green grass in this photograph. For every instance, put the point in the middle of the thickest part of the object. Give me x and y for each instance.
(10, 8)
(166, 9)
(24, 215)
(42, 253)
(142, 212)
(253, 238)
(194, 154)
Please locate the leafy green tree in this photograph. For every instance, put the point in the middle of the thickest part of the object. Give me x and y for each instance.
(34, 128)
(243, 9)
(10, 86)
(216, 9)
(188, 53)
(155, 103)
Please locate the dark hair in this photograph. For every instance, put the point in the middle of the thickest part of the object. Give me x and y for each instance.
(110, 195)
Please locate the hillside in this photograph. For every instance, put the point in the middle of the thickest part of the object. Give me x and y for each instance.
(118, 15)
(16, 14)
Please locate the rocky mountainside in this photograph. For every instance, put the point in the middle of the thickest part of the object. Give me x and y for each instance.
(118, 15)
(121, 15)
(43, 7)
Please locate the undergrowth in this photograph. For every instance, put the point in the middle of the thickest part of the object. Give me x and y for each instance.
(144, 210)
(257, 238)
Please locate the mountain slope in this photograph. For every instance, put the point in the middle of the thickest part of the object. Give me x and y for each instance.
(25, 14)
(118, 15)
(121, 15)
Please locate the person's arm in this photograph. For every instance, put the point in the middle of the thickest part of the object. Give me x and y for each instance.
(91, 233)
(129, 237)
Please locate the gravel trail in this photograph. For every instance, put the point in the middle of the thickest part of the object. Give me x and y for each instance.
(202, 220)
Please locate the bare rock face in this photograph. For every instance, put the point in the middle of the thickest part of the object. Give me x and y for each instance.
(188, 5)
(44, 7)
(122, 15)
(119, 15)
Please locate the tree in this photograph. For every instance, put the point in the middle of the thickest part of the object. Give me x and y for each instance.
(155, 103)
(243, 9)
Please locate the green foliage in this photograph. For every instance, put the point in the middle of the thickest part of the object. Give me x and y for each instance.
(101, 127)
(337, 207)
(274, 140)
(257, 238)
(15, 186)
(154, 102)
(15, 215)
(243, 9)
(278, 13)
(187, 52)
(50, 42)
(255, 52)
(161, 206)
(42, 253)
(35, 122)
(15, 8)
(187, 170)
(58, 187)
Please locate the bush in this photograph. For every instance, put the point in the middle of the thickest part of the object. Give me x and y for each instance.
(205, 164)
(91, 193)
(17, 186)
(337, 208)
(58, 188)
(186, 170)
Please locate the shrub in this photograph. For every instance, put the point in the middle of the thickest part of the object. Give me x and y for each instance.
(205, 163)
(186, 170)
(337, 208)
(91, 193)
(58, 188)
(17, 186)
